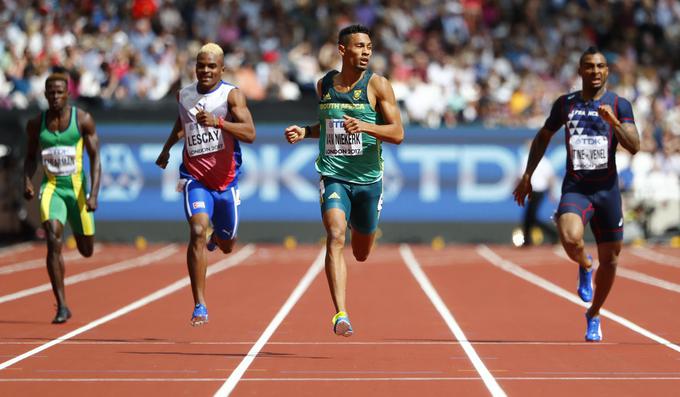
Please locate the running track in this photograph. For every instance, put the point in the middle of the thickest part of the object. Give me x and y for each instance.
(463, 320)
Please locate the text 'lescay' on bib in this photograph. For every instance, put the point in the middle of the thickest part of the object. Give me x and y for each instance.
(59, 160)
(202, 140)
(589, 152)
(341, 143)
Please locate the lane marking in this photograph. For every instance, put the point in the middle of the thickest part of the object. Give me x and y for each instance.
(226, 263)
(15, 248)
(72, 255)
(413, 265)
(140, 261)
(372, 379)
(662, 259)
(435, 343)
(493, 258)
(300, 289)
(635, 276)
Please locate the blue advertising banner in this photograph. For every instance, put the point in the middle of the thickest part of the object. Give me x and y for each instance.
(433, 176)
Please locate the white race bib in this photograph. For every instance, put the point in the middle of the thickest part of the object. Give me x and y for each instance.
(59, 160)
(202, 140)
(341, 143)
(589, 152)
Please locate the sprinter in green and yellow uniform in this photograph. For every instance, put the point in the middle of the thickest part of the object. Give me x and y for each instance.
(357, 112)
(62, 134)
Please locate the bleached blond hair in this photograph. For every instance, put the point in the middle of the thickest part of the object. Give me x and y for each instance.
(211, 48)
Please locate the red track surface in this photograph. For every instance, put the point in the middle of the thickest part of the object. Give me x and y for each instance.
(524, 337)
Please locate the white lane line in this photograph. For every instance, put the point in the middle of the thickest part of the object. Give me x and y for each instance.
(300, 289)
(635, 276)
(362, 379)
(15, 248)
(144, 260)
(662, 259)
(431, 292)
(343, 344)
(226, 263)
(73, 255)
(493, 258)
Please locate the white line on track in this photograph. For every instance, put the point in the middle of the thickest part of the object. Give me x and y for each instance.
(230, 261)
(140, 261)
(13, 249)
(300, 289)
(493, 258)
(635, 276)
(344, 344)
(661, 259)
(73, 255)
(361, 379)
(431, 292)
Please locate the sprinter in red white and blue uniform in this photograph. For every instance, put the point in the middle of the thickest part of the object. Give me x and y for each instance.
(595, 122)
(213, 119)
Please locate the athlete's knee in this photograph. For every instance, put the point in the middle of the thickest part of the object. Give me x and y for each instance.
(226, 247)
(572, 242)
(86, 250)
(198, 231)
(360, 255)
(336, 236)
(611, 263)
(609, 255)
(53, 241)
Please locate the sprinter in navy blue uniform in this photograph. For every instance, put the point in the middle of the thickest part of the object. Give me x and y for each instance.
(595, 122)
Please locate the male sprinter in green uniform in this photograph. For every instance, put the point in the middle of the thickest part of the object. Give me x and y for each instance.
(357, 112)
(61, 133)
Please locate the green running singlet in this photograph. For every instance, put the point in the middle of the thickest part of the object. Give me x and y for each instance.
(63, 192)
(355, 158)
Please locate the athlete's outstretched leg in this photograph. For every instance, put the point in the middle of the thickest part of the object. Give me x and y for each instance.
(571, 230)
(55, 268)
(196, 255)
(336, 268)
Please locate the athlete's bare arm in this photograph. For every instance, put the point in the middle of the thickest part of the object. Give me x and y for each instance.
(176, 134)
(91, 141)
(381, 96)
(242, 126)
(538, 146)
(30, 162)
(626, 133)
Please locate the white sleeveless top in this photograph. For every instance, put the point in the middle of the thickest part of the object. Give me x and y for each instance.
(208, 153)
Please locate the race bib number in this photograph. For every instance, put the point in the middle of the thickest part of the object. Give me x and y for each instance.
(202, 140)
(339, 142)
(589, 152)
(59, 160)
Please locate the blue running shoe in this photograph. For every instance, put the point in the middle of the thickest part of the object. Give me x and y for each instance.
(211, 245)
(341, 324)
(199, 316)
(585, 282)
(593, 329)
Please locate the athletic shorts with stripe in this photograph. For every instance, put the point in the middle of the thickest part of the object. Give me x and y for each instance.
(361, 203)
(62, 198)
(601, 207)
(221, 207)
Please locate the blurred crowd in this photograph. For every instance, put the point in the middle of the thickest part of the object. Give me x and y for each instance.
(451, 62)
